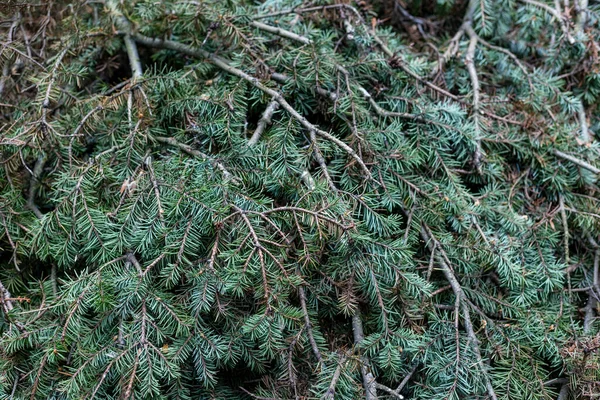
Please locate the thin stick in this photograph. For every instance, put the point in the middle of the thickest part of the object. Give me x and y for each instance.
(330, 394)
(469, 61)
(577, 161)
(264, 121)
(369, 382)
(308, 324)
(281, 32)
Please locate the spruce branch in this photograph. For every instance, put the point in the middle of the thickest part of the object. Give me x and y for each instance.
(461, 301)
(225, 66)
(557, 14)
(321, 161)
(196, 153)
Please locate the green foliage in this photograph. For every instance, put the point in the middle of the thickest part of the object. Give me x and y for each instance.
(419, 202)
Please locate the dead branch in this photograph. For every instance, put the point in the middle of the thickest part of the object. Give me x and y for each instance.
(308, 324)
(264, 121)
(330, 394)
(369, 382)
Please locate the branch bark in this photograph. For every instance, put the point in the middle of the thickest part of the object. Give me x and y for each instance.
(369, 382)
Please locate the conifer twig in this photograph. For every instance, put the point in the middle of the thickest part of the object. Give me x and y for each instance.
(264, 121)
(281, 32)
(311, 338)
(556, 13)
(470, 62)
(330, 394)
(321, 161)
(196, 153)
(444, 262)
(577, 161)
(225, 66)
(369, 382)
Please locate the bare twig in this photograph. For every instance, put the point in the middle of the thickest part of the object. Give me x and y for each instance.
(330, 394)
(133, 260)
(369, 382)
(264, 121)
(577, 161)
(581, 6)
(130, 46)
(280, 32)
(5, 297)
(311, 338)
(469, 61)
(389, 391)
(406, 378)
(585, 132)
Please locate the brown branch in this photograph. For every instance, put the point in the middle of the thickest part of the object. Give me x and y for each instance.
(369, 382)
(281, 32)
(330, 394)
(577, 161)
(264, 121)
(311, 338)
